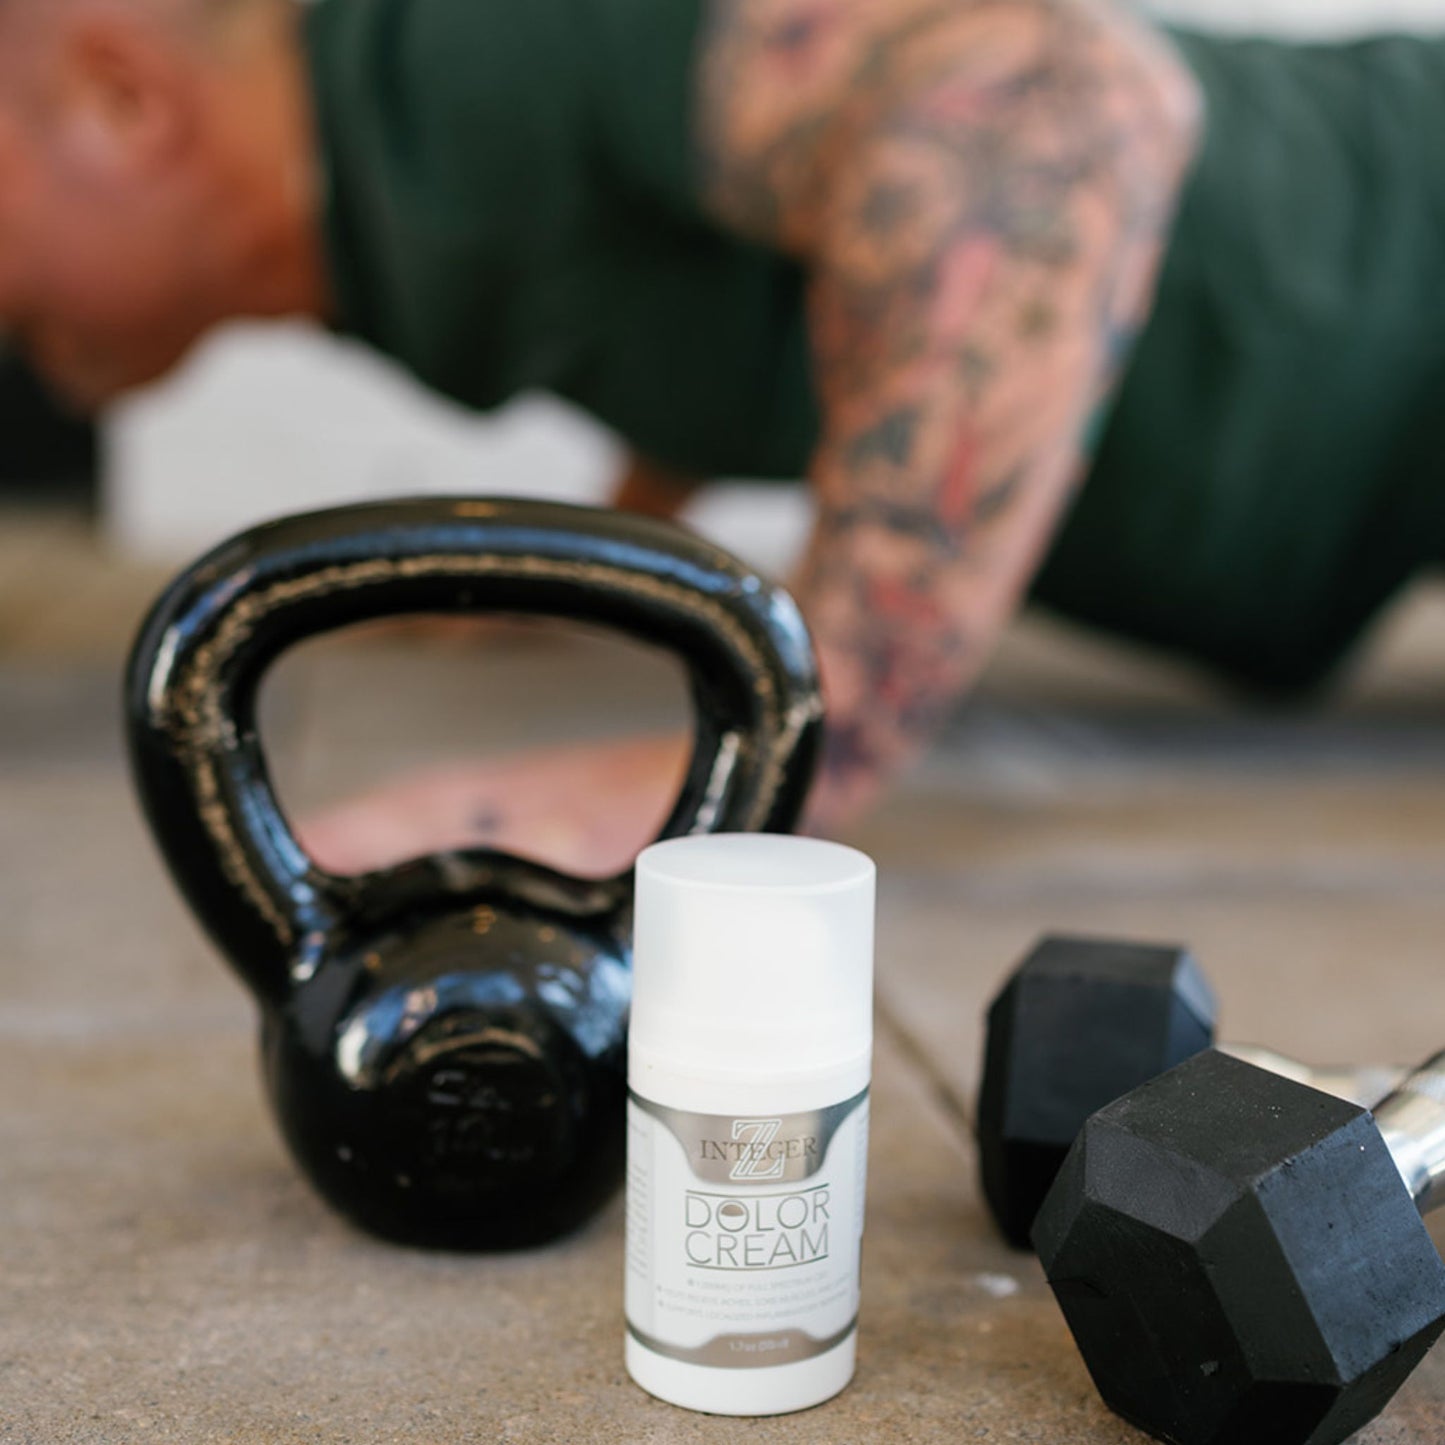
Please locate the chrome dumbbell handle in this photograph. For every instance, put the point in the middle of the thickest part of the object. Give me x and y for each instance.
(1363, 1086)
(1412, 1122)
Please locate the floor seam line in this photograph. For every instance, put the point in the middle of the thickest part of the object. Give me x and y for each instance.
(953, 1104)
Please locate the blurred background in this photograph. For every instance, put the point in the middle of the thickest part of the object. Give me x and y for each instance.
(266, 420)
(275, 419)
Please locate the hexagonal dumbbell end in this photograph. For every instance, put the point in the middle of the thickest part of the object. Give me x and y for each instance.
(1080, 1022)
(1238, 1258)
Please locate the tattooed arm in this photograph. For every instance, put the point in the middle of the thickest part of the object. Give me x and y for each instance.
(980, 189)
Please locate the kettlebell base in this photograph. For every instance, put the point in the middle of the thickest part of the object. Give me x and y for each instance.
(770, 1390)
(535, 1219)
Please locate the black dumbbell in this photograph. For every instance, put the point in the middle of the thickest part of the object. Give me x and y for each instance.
(1079, 1023)
(444, 1042)
(1241, 1258)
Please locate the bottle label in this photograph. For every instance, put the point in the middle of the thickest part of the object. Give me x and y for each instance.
(744, 1232)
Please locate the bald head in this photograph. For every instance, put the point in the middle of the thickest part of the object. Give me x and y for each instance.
(157, 176)
(197, 16)
(173, 9)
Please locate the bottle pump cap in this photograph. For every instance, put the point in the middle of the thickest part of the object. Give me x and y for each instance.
(754, 952)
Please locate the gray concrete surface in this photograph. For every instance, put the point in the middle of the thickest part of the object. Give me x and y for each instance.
(165, 1275)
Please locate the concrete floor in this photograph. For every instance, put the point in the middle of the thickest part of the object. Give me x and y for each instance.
(166, 1276)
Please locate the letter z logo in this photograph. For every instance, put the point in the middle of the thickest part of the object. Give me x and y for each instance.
(756, 1136)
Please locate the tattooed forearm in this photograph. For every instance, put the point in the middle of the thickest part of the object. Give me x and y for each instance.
(981, 189)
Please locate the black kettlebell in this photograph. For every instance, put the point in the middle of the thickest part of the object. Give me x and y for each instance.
(444, 1042)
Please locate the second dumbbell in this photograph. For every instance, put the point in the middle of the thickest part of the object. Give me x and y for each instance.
(1080, 1023)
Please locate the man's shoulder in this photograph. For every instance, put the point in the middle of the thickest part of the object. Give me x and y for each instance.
(471, 53)
(530, 83)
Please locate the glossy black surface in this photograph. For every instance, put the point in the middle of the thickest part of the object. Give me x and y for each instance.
(444, 1042)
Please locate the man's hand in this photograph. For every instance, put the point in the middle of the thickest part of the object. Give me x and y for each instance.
(650, 489)
(585, 810)
(980, 190)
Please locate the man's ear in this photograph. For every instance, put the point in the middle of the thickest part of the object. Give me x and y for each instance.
(127, 92)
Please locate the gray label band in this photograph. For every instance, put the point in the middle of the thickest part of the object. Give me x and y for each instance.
(748, 1352)
(754, 1148)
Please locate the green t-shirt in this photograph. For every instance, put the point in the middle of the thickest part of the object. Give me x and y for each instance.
(514, 205)
(513, 208)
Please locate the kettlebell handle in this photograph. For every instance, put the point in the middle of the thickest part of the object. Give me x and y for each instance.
(194, 674)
